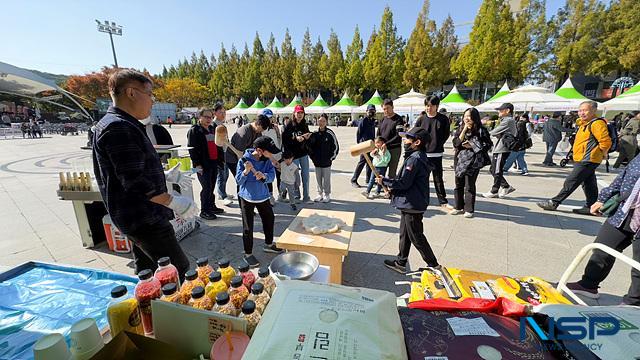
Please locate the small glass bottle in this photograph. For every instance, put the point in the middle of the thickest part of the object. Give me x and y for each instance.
(203, 269)
(191, 280)
(227, 271)
(224, 305)
(248, 278)
(147, 289)
(170, 293)
(238, 293)
(260, 297)
(215, 286)
(199, 300)
(166, 272)
(123, 312)
(250, 314)
(264, 277)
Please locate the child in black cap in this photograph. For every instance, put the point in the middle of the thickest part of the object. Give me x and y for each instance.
(410, 194)
(254, 172)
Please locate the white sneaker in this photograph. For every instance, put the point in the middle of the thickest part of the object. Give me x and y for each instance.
(503, 192)
(371, 196)
(468, 215)
(490, 195)
(326, 199)
(227, 201)
(455, 212)
(318, 198)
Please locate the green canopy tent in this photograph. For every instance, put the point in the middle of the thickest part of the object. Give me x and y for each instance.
(318, 106)
(572, 96)
(454, 102)
(289, 108)
(633, 90)
(344, 106)
(239, 109)
(375, 100)
(630, 100)
(256, 107)
(275, 105)
(504, 90)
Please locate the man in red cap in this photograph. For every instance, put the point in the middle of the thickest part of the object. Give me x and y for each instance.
(293, 140)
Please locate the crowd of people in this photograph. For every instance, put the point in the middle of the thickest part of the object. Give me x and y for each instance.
(263, 153)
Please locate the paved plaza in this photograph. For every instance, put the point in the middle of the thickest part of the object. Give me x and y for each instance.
(507, 236)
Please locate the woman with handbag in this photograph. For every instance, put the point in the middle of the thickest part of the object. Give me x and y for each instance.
(620, 202)
(471, 144)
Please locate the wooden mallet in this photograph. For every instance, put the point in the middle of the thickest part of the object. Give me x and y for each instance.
(364, 148)
(222, 139)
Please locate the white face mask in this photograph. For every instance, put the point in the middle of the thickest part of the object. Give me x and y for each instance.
(146, 121)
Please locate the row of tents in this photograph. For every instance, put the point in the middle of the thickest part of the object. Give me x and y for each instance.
(525, 98)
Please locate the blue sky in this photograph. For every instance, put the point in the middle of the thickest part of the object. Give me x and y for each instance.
(61, 36)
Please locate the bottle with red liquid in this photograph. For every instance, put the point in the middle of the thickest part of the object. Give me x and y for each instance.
(147, 289)
(167, 273)
(248, 278)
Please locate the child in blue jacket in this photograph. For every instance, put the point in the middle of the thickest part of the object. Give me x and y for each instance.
(254, 172)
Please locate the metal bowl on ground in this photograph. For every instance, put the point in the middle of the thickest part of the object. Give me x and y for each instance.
(294, 265)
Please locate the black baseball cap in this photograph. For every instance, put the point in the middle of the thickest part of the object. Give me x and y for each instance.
(371, 107)
(417, 133)
(506, 106)
(266, 143)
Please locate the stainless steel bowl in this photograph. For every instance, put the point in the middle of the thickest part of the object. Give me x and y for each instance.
(294, 265)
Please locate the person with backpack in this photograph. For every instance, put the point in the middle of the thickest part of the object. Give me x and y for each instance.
(523, 142)
(505, 132)
(628, 140)
(590, 147)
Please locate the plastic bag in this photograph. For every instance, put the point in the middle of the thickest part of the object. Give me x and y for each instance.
(318, 321)
(564, 145)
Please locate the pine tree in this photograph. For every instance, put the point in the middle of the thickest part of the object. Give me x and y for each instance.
(446, 49)
(332, 78)
(269, 72)
(384, 62)
(320, 65)
(235, 72)
(352, 77)
(202, 69)
(165, 72)
(304, 66)
(286, 65)
(419, 54)
(252, 81)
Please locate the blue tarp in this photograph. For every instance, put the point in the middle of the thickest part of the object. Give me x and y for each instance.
(39, 298)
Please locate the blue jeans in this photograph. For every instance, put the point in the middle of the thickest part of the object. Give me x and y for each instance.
(551, 149)
(382, 170)
(513, 157)
(303, 163)
(221, 181)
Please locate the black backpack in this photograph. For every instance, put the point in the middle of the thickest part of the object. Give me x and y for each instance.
(510, 141)
(613, 133)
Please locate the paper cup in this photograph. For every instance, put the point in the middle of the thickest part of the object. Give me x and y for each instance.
(51, 347)
(86, 340)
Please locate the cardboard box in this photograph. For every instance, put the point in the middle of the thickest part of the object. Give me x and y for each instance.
(129, 346)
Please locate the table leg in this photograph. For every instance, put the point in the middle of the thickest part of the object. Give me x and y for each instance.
(83, 223)
(335, 262)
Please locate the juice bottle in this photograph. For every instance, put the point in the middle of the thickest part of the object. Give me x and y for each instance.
(170, 293)
(215, 285)
(260, 297)
(147, 289)
(199, 300)
(191, 280)
(224, 305)
(203, 269)
(167, 272)
(227, 271)
(248, 278)
(265, 278)
(250, 314)
(123, 312)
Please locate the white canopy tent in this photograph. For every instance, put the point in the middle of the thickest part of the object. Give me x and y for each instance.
(344, 106)
(375, 100)
(318, 106)
(410, 104)
(454, 102)
(525, 98)
(623, 103)
(572, 97)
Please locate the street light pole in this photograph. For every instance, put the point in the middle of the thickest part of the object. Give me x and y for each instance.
(111, 29)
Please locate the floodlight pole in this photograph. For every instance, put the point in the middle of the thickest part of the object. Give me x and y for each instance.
(110, 29)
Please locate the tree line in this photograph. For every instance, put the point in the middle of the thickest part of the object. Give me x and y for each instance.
(583, 36)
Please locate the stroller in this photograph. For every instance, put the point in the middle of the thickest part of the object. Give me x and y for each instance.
(571, 137)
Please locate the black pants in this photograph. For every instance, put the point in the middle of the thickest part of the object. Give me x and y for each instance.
(362, 163)
(266, 215)
(151, 242)
(465, 192)
(208, 179)
(582, 174)
(234, 169)
(600, 263)
(412, 232)
(497, 164)
(270, 185)
(438, 182)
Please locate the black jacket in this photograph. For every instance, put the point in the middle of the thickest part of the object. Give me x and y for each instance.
(323, 147)
(366, 129)
(410, 189)
(389, 128)
(197, 139)
(439, 129)
(289, 142)
(521, 135)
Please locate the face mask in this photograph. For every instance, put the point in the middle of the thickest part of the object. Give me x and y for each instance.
(146, 121)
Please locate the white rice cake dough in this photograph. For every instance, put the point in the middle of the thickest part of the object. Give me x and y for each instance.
(319, 223)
